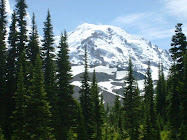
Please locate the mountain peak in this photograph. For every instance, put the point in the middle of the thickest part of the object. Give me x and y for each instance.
(105, 28)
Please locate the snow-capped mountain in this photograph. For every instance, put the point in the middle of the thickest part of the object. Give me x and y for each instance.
(108, 50)
(109, 45)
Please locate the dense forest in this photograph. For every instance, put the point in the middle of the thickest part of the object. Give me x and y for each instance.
(36, 101)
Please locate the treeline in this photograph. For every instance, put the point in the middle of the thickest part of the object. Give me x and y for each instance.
(36, 99)
(35, 91)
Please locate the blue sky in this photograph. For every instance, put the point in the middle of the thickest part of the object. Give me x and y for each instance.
(154, 20)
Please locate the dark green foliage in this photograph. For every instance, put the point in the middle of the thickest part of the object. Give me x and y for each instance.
(71, 135)
(22, 25)
(2, 53)
(113, 126)
(179, 46)
(26, 69)
(12, 64)
(1, 134)
(38, 109)
(64, 68)
(131, 105)
(12, 71)
(19, 116)
(33, 46)
(80, 128)
(117, 114)
(184, 93)
(183, 132)
(183, 106)
(50, 80)
(86, 101)
(3, 20)
(48, 62)
(106, 125)
(65, 103)
(48, 40)
(173, 104)
(3, 56)
(98, 108)
(161, 97)
(150, 126)
(176, 89)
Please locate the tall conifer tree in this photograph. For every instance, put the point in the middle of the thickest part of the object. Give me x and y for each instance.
(178, 48)
(161, 97)
(21, 7)
(19, 116)
(98, 108)
(3, 23)
(12, 63)
(117, 114)
(183, 108)
(1, 134)
(131, 105)
(86, 100)
(65, 102)
(48, 56)
(2, 55)
(175, 89)
(38, 109)
(80, 127)
(33, 46)
(150, 127)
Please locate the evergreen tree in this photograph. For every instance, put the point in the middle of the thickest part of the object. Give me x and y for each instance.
(131, 105)
(2, 60)
(117, 114)
(98, 108)
(183, 108)
(3, 20)
(161, 97)
(38, 109)
(86, 100)
(106, 132)
(33, 46)
(19, 116)
(175, 89)
(65, 102)
(12, 72)
(48, 64)
(150, 127)
(71, 135)
(3, 56)
(174, 104)
(12, 64)
(22, 25)
(179, 46)
(1, 134)
(80, 128)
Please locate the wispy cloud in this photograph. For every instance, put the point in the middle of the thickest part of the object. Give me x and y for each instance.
(148, 24)
(156, 33)
(131, 19)
(177, 8)
(155, 24)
